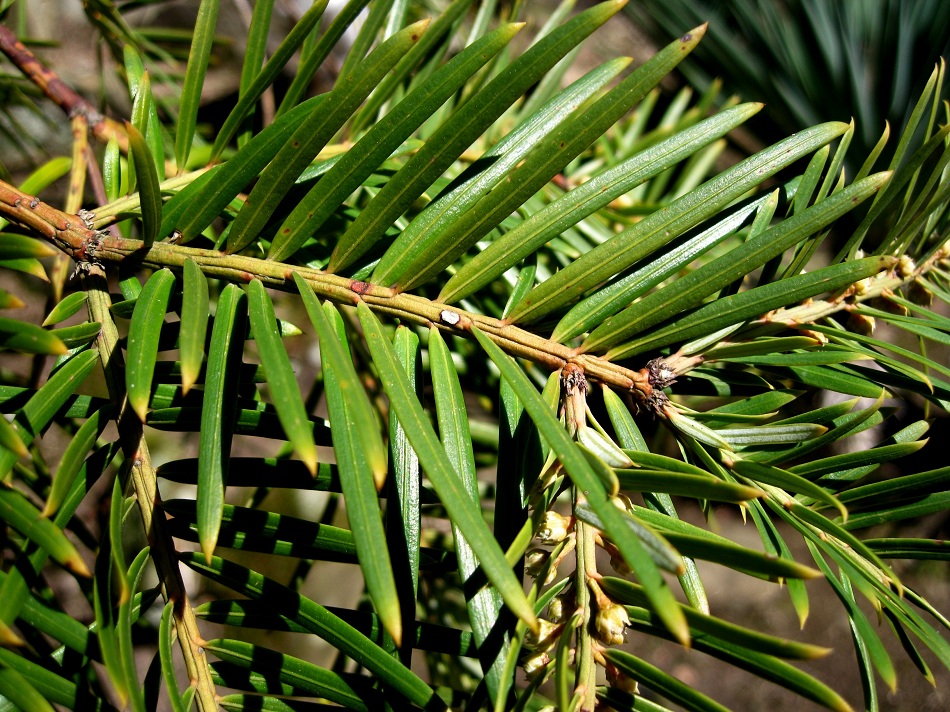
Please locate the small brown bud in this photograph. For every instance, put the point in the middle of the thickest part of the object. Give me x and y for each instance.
(620, 567)
(615, 678)
(535, 664)
(919, 294)
(861, 324)
(553, 529)
(545, 638)
(535, 560)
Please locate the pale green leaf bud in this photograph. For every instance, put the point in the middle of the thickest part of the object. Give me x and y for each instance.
(553, 529)
(611, 623)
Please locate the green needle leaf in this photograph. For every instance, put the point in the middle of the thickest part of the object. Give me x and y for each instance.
(48, 684)
(219, 412)
(458, 133)
(593, 310)
(484, 605)
(194, 324)
(658, 229)
(317, 619)
(201, 41)
(441, 473)
(144, 332)
(632, 594)
(665, 684)
(280, 375)
(14, 247)
(267, 75)
(18, 512)
(166, 656)
(314, 133)
(546, 160)
(568, 210)
(314, 52)
(713, 276)
(746, 305)
(788, 481)
(357, 401)
(33, 417)
(24, 696)
(615, 524)
(371, 150)
(641, 480)
(305, 678)
(492, 167)
(361, 462)
(67, 307)
(150, 191)
(81, 445)
(23, 336)
(197, 205)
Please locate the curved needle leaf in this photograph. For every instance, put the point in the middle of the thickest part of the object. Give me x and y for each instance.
(267, 75)
(553, 153)
(765, 666)
(201, 42)
(306, 678)
(665, 684)
(586, 199)
(754, 303)
(144, 332)
(66, 308)
(197, 205)
(445, 481)
(15, 688)
(194, 324)
(371, 150)
(219, 412)
(491, 168)
(69, 465)
(788, 481)
(150, 191)
(18, 512)
(43, 405)
(22, 336)
(656, 230)
(285, 392)
(713, 276)
(631, 593)
(361, 462)
(458, 133)
(14, 247)
(314, 133)
(642, 480)
(615, 524)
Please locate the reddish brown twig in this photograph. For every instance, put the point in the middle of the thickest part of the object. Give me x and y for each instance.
(102, 127)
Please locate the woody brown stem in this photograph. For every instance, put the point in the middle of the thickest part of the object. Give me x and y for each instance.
(103, 128)
(70, 234)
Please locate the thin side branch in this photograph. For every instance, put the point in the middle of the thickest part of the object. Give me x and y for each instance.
(145, 486)
(64, 96)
